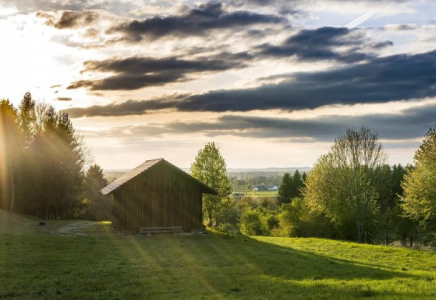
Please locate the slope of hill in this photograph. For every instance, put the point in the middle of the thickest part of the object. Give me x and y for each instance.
(16, 224)
(214, 266)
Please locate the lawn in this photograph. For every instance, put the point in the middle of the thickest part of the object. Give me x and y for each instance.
(104, 265)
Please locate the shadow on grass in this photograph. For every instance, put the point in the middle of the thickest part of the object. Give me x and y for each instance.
(186, 267)
(201, 266)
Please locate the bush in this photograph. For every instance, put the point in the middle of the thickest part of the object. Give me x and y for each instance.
(251, 223)
(229, 228)
(269, 221)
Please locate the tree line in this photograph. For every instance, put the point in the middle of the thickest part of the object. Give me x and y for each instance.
(351, 193)
(45, 168)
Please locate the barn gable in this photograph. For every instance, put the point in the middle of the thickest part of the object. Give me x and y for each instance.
(156, 194)
(146, 167)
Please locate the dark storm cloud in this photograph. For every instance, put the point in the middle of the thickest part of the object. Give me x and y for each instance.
(306, 45)
(141, 65)
(323, 44)
(127, 108)
(411, 123)
(197, 21)
(139, 72)
(129, 82)
(385, 79)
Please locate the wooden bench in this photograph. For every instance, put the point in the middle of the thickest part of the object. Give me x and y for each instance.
(157, 230)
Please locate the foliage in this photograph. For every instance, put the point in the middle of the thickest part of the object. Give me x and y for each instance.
(285, 189)
(342, 183)
(209, 167)
(290, 217)
(9, 153)
(46, 161)
(251, 223)
(419, 201)
(99, 207)
(290, 187)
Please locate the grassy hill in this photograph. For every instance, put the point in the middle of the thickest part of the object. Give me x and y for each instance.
(215, 266)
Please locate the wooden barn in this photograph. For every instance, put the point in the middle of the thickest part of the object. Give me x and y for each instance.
(157, 194)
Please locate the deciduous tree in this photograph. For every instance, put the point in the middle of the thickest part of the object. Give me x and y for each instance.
(342, 183)
(419, 200)
(10, 149)
(209, 167)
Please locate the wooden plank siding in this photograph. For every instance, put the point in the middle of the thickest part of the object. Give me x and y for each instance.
(161, 197)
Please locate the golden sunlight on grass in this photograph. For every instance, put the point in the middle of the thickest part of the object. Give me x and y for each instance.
(213, 266)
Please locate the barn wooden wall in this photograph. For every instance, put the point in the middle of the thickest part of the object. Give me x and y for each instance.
(160, 197)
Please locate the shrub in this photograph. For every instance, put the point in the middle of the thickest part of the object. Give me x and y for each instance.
(251, 223)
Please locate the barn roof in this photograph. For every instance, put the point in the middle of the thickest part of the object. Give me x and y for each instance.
(146, 166)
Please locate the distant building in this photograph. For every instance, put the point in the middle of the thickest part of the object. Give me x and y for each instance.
(272, 188)
(157, 194)
(237, 196)
(257, 188)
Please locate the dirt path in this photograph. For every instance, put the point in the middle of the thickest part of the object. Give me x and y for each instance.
(81, 228)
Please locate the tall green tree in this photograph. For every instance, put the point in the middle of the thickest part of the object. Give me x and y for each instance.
(209, 167)
(419, 200)
(342, 183)
(290, 187)
(99, 208)
(297, 184)
(10, 149)
(285, 190)
(48, 160)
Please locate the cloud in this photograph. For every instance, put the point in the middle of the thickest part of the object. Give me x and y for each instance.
(28, 6)
(196, 21)
(119, 7)
(385, 79)
(126, 108)
(70, 19)
(324, 44)
(409, 124)
(129, 82)
(399, 27)
(307, 45)
(138, 72)
(64, 99)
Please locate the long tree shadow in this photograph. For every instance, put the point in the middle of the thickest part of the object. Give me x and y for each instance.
(290, 263)
(248, 268)
(187, 267)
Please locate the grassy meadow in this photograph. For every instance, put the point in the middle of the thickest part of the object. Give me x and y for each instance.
(92, 262)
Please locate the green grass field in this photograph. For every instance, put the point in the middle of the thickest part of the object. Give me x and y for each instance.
(41, 263)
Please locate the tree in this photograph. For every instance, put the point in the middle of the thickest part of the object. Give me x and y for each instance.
(342, 183)
(98, 205)
(44, 159)
(9, 153)
(290, 187)
(285, 189)
(297, 184)
(209, 167)
(419, 200)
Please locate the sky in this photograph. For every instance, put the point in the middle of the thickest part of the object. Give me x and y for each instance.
(271, 82)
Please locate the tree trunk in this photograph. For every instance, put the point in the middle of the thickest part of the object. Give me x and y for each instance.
(360, 230)
(209, 222)
(11, 179)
